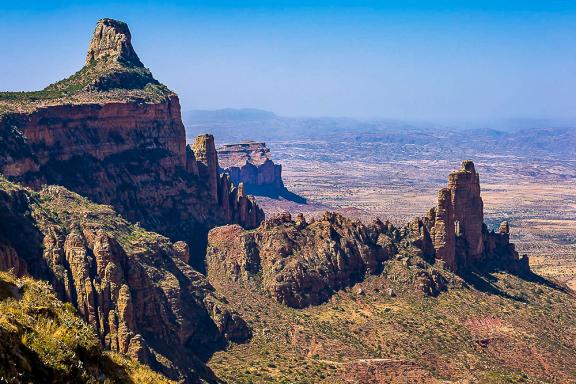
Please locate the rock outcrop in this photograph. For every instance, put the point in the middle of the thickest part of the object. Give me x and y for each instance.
(132, 286)
(112, 41)
(296, 267)
(461, 238)
(301, 264)
(251, 163)
(114, 134)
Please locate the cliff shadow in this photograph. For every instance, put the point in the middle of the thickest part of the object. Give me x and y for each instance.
(275, 193)
(484, 280)
(19, 230)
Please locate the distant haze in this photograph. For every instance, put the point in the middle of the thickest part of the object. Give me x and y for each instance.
(392, 59)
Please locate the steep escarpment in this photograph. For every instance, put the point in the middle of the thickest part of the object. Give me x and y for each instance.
(251, 163)
(132, 286)
(301, 264)
(114, 134)
(42, 340)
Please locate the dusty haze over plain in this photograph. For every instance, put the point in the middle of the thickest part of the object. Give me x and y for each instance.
(405, 60)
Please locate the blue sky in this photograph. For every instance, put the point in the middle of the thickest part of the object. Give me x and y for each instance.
(410, 60)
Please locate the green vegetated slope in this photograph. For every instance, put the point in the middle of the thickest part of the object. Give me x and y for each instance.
(42, 340)
(504, 330)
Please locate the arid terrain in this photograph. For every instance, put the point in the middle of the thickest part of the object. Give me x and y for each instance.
(129, 245)
(393, 170)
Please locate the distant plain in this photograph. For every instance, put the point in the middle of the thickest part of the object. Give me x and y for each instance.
(393, 170)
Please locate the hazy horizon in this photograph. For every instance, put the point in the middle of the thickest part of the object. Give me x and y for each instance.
(364, 59)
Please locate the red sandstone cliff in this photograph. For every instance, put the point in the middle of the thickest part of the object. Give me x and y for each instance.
(119, 140)
(113, 134)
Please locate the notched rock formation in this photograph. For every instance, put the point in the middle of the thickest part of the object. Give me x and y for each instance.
(132, 286)
(461, 239)
(251, 163)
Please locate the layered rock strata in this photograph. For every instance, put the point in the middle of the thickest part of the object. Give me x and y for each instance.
(251, 163)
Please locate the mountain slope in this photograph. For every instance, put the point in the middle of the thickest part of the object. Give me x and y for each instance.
(43, 340)
(133, 287)
(114, 134)
(508, 330)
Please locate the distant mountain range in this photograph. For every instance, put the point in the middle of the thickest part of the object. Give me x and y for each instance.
(525, 138)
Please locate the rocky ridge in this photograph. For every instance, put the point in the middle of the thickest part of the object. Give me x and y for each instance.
(301, 264)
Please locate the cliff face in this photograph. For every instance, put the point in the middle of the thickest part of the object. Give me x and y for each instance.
(235, 205)
(250, 163)
(115, 135)
(132, 286)
(460, 236)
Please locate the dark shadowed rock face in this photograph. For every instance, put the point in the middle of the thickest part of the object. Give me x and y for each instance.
(122, 143)
(251, 163)
(132, 286)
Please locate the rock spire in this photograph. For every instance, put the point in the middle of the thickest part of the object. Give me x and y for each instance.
(112, 41)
